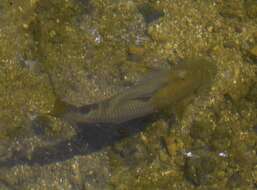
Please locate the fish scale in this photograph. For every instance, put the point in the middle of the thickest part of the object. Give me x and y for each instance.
(131, 110)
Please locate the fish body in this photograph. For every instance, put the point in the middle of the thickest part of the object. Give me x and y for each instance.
(157, 91)
(106, 114)
(144, 89)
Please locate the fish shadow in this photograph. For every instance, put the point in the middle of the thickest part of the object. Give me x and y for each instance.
(89, 139)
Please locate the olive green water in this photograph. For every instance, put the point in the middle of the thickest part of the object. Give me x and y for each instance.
(86, 51)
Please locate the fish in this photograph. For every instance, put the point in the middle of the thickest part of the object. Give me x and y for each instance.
(157, 91)
(133, 103)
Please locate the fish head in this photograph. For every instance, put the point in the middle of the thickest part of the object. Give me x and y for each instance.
(185, 79)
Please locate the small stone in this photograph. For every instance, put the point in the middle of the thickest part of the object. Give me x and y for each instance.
(230, 45)
(25, 26)
(136, 50)
(210, 29)
(239, 29)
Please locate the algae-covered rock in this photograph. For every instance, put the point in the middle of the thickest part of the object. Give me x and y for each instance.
(88, 52)
(23, 97)
(199, 170)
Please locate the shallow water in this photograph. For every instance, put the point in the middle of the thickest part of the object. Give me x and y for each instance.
(85, 52)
